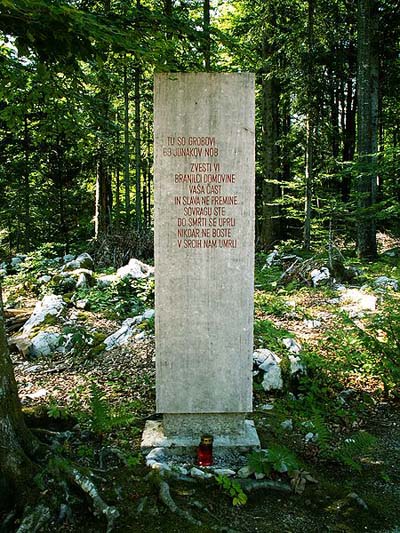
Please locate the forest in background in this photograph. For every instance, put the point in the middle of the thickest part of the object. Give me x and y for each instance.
(76, 115)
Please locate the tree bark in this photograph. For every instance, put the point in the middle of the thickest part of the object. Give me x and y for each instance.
(367, 125)
(270, 229)
(310, 124)
(126, 146)
(17, 444)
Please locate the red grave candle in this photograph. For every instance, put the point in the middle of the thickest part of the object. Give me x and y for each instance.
(204, 451)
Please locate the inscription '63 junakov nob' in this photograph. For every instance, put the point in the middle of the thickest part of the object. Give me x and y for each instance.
(204, 250)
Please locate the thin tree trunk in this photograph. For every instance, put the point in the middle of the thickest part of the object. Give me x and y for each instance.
(126, 146)
(137, 151)
(367, 62)
(270, 229)
(206, 30)
(309, 159)
(27, 206)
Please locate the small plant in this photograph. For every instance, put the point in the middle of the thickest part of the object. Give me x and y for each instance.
(102, 417)
(277, 459)
(233, 489)
(350, 451)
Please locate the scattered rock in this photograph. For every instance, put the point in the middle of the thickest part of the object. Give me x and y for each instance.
(359, 501)
(319, 276)
(200, 474)
(287, 424)
(107, 280)
(17, 261)
(41, 393)
(224, 472)
(148, 314)
(244, 472)
(266, 407)
(312, 324)
(259, 475)
(135, 269)
(356, 300)
(296, 366)
(68, 258)
(271, 259)
(311, 437)
(125, 332)
(291, 345)
(82, 304)
(269, 363)
(50, 306)
(384, 282)
(44, 279)
(82, 261)
(44, 343)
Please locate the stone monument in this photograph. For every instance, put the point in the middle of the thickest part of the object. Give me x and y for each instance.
(204, 253)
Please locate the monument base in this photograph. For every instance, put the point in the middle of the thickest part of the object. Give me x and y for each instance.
(180, 433)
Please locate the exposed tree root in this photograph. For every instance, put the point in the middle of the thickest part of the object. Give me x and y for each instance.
(249, 485)
(34, 519)
(100, 506)
(166, 498)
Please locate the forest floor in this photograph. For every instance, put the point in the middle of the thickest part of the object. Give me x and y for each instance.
(97, 402)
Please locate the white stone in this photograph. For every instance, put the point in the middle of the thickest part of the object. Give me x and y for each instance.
(50, 305)
(295, 364)
(41, 393)
(107, 280)
(244, 472)
(82, 282)
(266, 407)
(271, 258)
(272, 379)
(82, 261)
(228, 472)
(127, 330)
(319, 275)
(148, 314)
(384, 282)
(200, 474)
(68, 257)
(156, 454)
(311, 437)
(312, 324)
(287, 424)
(357, 300)
(44, 279)
(261, 355)
(259, 475)
(44, 343)
(135, 269)
(292, 345)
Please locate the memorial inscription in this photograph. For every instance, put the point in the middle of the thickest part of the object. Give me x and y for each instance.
(204, 251)
(205, 208)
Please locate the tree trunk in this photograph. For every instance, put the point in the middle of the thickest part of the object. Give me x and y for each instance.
(206, 30)
(310, 124)
(270, 229)
(367, 114)
(17, 444)
(103, 198)
(137, 151)
(126, 146)
(27, 206)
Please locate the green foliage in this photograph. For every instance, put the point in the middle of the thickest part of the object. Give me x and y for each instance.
(380, 341)
(276, 458)
(233, 489)
(102, 417)
(353, 448)
(266, 334)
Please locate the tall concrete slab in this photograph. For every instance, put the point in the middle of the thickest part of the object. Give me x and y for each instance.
(204, 247)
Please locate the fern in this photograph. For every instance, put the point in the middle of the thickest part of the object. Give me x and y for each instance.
(102, 417)
(353, 448)
(321, 429)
